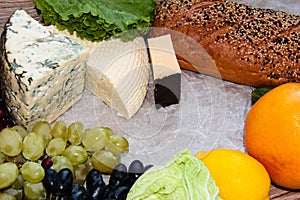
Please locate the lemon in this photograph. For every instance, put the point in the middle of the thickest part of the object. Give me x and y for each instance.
(238, 175)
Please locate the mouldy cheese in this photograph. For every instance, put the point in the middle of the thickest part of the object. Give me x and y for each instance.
(118, 73)
(166, 71)
(42, 71)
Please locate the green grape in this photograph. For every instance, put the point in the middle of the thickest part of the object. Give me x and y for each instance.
(117, 144)
(96, 138)
(107, 130)
(76, 154)
(19, 183)
(33, 146)
(21, 130)
(75, 133)
(7, 196)
(16, 193)
(43, 129)
(8, 174)
(35, 191)
(32, 172)
(2, 157)
(81, 172)
(60, 162)
(105, 161)
(10, 142)
(59, 129)
(56, 147)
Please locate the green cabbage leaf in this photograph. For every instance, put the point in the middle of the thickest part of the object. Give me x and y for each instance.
(185, 177)
(96, 20)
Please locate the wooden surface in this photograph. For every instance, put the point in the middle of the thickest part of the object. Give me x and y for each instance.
(7, 7)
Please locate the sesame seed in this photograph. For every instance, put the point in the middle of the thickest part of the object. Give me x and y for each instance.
(265, 38)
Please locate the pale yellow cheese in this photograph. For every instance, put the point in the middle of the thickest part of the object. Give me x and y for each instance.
(118, 73)
(163, 57)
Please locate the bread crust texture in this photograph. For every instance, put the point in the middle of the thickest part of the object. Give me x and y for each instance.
(251, 46)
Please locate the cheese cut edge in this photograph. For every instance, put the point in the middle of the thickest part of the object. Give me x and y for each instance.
(124, 69)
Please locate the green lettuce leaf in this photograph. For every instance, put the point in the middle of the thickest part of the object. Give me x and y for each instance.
(185, 177)
(257, 93)
(97, 20)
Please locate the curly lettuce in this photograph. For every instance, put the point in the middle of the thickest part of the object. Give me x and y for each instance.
(257, 93)
(185, 177)
(97, 20)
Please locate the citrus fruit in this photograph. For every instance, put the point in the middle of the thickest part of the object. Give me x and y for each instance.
(272, 134)
(238, 175)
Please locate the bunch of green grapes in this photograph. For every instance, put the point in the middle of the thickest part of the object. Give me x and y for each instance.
(24, 155)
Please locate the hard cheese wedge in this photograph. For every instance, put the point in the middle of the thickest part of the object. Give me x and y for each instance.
(118, 73)
(42, 72)
(166, 71)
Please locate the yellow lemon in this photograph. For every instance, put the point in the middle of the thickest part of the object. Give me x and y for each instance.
(238, 175)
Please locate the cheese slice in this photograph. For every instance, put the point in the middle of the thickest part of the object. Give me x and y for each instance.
(166, 71)
(43, 72)
(118, 73)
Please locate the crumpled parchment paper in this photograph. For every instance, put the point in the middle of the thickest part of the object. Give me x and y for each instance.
(210, 115)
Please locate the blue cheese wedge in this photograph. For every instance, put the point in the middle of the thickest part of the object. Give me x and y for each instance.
(42, 72)
(118, 73)
(166, 71)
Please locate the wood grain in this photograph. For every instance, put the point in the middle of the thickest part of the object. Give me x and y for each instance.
(7, 7)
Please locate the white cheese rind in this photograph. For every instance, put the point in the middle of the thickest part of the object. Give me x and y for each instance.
(118, 73)
(43, 72)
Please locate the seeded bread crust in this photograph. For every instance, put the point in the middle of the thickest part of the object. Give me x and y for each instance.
(251, 46)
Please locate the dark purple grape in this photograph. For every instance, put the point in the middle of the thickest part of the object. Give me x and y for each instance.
(147, 167)
(110, 196)
(65, 197)
(3, 111)
(64, 182)
(5, 119)
(108, 193)
(79, 192)
(96, 190)
(121, 193)
(3, 123)
(135, 170)
(92, 177)
(49, 180)
(10, 123)
(118, 176)
(121, 167)
(136, 167)
(47, 163)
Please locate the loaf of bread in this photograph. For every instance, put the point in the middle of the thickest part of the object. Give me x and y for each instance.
(236, 42)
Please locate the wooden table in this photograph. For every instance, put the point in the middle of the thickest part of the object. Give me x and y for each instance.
(7, 7)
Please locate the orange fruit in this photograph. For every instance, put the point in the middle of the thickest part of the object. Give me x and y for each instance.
(237, 175)
(272, 134)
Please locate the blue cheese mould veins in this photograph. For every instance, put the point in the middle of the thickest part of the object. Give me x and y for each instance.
(43, 72)
(33, 53)
(19, 76)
